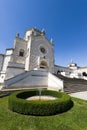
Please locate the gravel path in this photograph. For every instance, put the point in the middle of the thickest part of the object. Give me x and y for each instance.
(81, 95)
(41, 98)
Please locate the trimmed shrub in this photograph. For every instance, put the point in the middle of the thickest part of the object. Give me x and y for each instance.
(17, 102)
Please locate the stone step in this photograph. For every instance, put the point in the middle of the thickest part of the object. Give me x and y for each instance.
(73, 85)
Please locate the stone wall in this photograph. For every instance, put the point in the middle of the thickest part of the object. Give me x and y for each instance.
(14, 69)
(34, 79)
(19, 44)
(61, 69)
(7, 58)
(48, 56)
(1, 61)
(54, 83)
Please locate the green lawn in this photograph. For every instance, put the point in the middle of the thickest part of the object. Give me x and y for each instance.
(74, 119)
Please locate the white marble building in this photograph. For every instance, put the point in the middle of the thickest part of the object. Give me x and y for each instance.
(31, 53)
(72, 71)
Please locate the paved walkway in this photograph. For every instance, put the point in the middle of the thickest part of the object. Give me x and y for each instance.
(81, 95)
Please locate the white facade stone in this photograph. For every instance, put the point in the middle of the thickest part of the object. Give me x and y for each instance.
(19, 44)
(1, 61)
(7, 59)
(35, 52)
(60, 69)
(27, 55)
(35, 79)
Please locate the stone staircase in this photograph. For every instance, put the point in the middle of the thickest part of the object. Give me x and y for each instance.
(73, 85)
(33, 79)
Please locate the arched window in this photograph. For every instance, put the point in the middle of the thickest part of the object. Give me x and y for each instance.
(21, 52)
(84, 74)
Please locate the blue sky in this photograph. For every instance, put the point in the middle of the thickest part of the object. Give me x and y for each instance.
(64, 20)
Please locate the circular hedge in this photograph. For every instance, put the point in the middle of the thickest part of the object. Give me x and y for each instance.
(17, 102)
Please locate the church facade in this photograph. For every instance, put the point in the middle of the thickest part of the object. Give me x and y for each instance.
(33, 52)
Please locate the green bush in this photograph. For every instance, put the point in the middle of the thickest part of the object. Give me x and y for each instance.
(18, 103)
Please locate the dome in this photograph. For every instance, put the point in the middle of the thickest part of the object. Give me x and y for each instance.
(72, 64)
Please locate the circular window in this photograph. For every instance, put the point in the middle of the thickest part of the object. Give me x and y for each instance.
(42, 49)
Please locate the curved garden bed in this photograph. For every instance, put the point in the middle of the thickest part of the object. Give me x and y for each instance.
(18, 103)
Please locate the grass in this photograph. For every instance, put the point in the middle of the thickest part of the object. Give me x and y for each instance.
(74, 119)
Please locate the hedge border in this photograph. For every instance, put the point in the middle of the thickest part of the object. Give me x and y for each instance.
(17, 103)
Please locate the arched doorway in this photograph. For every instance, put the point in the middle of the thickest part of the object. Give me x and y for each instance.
(43, 65)
(84, 74)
